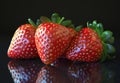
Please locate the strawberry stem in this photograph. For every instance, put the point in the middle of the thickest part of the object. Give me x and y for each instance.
(31, 22)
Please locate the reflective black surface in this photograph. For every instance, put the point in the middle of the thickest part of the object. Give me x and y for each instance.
(14, 13)
(62, 71)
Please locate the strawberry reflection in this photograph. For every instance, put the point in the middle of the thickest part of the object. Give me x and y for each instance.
(61, 71)
(85, 73)
(91, 73)
(24, 71)
(50, 74)
(63, 64)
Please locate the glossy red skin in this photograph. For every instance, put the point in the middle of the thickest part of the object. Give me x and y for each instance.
(86, 46)
(72, 35)
(22, 45)
(72, 32)
(51, 41)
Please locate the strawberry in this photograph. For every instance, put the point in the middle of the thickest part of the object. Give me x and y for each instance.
(52, 38)
(85, 73)
(24, 71)
(72, 32)
(68, 24)
(51, 41)
(49, 74)
(91, 44)
(22, 45)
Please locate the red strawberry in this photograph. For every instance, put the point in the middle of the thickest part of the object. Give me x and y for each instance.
(52, 37)
(72, 32)
(49, 74)
(51, 41)
(68, 24)
(91, 44)
(85, 73)
(24, 71)
(22, 45)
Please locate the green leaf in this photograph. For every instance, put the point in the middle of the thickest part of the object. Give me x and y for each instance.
(89, 25)
(78, 28)
(71, 26)
(111, 40)
(104, 54)
(38, 22)
(55, 18)
(106, 35)
(97, 30)
(66, 23)
(44, 19)
(31, 22)
(94, 23)
(61, 20)
(110, 49)
(100, 28)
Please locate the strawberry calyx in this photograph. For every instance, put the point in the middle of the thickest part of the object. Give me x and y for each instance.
(107, 39)
(32, 23)
(55, 18)
(78, 28)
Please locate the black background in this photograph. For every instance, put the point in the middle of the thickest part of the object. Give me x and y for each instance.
(14, 13)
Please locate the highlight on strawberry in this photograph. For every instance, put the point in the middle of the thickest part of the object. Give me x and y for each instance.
(92, 43)
(22, 45)
(52, 37)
